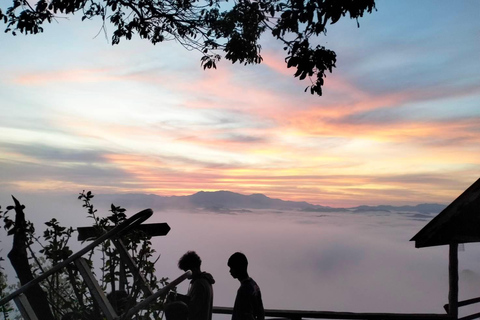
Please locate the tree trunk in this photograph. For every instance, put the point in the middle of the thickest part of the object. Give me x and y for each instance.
(19, 260)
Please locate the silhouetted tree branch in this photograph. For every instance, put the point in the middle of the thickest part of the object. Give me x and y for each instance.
(209, 26)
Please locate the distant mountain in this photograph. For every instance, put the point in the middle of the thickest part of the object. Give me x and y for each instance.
(205, 200)
(227, 200)
(234, 200)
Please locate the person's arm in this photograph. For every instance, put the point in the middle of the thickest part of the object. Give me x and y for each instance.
(183, 298)
(259, 312)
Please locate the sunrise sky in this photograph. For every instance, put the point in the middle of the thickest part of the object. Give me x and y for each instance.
(399, 121)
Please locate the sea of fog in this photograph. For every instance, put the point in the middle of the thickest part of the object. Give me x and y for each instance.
(331, 261)
(321, 261)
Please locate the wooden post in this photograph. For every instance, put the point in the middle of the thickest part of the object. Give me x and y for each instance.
(453, 281)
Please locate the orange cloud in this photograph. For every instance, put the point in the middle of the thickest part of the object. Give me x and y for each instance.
(303, 184)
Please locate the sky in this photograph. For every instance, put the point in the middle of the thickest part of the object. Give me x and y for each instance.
(398, 122)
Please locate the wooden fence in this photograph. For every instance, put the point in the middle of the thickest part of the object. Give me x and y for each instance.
(299, 315)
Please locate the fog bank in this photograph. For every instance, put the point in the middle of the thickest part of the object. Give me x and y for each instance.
(340, 261)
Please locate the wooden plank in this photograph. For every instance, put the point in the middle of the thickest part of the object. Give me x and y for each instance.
(132, 266)
(464, 303)
(468, 302)
(162, 292)
(24, 307)
(453, 281)
(95, 289)
(297, 314)
(151, 229)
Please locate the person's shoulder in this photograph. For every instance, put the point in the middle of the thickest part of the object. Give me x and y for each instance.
(249, 285)
(207, 277)
(203, 283)
(251, 282)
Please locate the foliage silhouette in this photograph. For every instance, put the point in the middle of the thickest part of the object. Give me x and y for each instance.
(209, 26)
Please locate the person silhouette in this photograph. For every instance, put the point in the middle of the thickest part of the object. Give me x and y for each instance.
(200, 293)
(248, 302)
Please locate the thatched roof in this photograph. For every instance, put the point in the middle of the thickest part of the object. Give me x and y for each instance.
(457, 223)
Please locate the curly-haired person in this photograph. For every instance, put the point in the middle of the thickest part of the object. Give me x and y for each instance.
(200, 293)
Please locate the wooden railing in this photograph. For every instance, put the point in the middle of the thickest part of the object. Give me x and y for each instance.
(467, 303)
(28, 313)
(123, 227)
(298, 315)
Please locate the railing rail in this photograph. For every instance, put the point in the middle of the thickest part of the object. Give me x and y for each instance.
(470, 317)
(162, 292)
(464, 303)
(298, 315)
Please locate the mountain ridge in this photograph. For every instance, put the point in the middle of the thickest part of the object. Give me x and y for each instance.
(228, 200)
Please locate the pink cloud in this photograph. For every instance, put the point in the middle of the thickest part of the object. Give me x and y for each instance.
(276, 63)
(75, 75)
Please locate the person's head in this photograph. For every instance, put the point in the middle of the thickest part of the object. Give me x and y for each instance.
(238, 264)
(190, 261)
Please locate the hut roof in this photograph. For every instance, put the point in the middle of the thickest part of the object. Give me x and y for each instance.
(457, 223)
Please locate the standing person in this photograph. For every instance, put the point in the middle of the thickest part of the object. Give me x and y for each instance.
(248, 303)
(200, 293)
